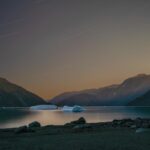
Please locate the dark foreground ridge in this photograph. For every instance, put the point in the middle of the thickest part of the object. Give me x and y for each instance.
(125, 134)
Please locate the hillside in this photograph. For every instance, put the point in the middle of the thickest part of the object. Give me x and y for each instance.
(114, 95)
(12, 95)
(143, 100)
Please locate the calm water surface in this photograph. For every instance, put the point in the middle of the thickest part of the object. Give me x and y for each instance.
(14, 117)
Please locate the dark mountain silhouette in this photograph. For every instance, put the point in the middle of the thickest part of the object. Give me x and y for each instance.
(12, 95)
(143, 100)
(114, 95)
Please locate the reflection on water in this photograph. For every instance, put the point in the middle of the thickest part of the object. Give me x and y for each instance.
(15, 117)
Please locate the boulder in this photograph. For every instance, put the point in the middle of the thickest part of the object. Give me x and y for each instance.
(82, 127)
(145, 125)
(123, 123)
(22, 129)
(79, 121)
(76, 122)
(34, 124)
(133, 126)
(116, 123)
(141, 130)
(138, 122)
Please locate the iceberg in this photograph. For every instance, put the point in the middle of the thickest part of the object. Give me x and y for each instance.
(44, 107)
(75, 108)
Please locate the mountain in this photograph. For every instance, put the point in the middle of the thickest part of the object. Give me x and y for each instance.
(12, 95)
(114, 95)
(143, 100)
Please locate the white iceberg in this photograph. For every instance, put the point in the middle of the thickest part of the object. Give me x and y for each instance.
(75, 108)
(44, 107)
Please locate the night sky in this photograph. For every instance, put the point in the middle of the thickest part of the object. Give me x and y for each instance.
(53, 46)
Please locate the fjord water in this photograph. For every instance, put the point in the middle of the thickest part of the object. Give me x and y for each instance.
(14, 117)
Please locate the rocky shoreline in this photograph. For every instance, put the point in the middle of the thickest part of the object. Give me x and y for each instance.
(125, 134)
(81, 125)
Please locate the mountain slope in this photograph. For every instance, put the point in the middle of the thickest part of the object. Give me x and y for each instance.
(114, 95)
(143, 100)
(12, 95)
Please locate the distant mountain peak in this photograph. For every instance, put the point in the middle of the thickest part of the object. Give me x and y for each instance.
(115, 95)
(137, 79)
(142, 75)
